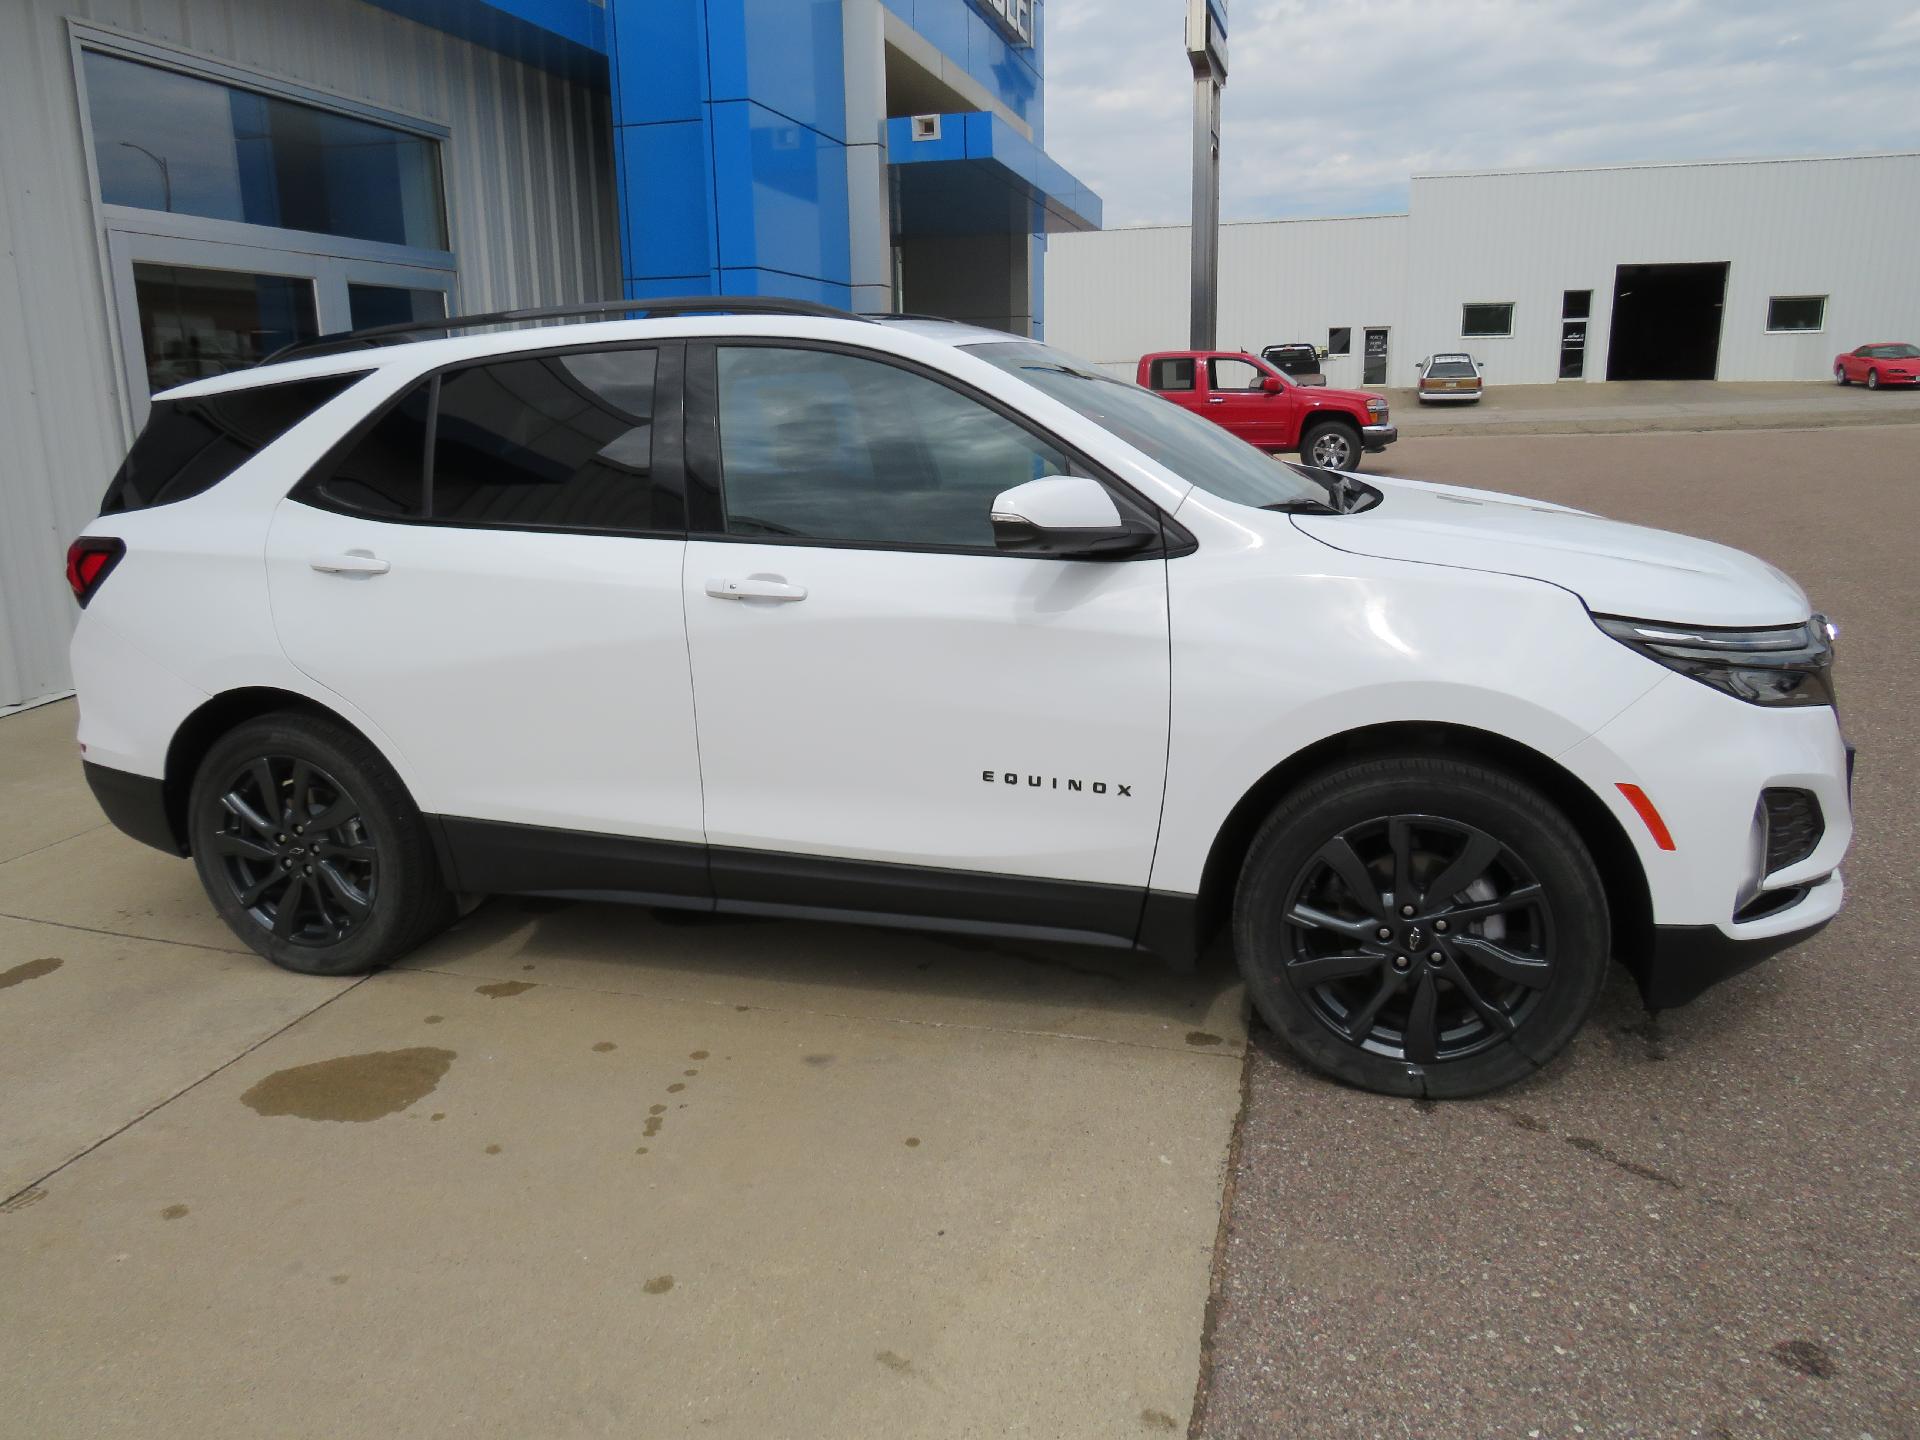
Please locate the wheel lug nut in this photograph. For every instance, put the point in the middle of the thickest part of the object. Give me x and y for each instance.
(279, 839)
(1441, 926)
(1406, 910)
(1384, 933)
(1400, 962)
(1436, 958)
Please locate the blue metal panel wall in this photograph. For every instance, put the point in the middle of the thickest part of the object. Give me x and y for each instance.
(731, 132)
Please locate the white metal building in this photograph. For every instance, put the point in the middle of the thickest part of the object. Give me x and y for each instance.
(1730, 270)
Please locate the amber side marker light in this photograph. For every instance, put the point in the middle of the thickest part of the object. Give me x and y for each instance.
(1644, 808)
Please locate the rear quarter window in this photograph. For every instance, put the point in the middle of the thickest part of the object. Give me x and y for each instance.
(191, 445)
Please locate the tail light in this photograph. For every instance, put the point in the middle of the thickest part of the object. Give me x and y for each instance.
(90, 559)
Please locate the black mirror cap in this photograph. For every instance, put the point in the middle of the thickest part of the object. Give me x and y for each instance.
(1017, 535)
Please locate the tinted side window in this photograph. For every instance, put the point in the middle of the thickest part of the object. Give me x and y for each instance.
(189, 446)
(825, 446)
(1170, 374)
(380, 473)
(556, 440)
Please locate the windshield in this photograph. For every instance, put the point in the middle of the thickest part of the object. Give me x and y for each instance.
(1192, 448)
(1451, 370)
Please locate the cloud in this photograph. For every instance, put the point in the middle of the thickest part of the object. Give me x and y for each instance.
(1330, 107)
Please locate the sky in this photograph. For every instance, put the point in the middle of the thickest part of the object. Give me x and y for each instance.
(1331, 105)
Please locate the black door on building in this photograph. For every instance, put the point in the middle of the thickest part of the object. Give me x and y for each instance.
(1373, 359)
(1574, 308)
(1666, 321)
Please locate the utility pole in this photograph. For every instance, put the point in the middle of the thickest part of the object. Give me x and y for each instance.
(1207, 54)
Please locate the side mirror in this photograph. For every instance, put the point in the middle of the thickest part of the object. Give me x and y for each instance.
(1065, 516)
(1271, 384)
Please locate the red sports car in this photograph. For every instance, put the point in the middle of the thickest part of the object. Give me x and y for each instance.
(1884, 362)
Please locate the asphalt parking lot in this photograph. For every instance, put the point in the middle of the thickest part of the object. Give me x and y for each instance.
(576, 1171)
(1705, 1224)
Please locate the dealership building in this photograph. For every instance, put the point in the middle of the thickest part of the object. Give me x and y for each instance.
(1730, 270)
(185, 187)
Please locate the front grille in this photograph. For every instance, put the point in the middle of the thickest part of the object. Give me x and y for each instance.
(1794, 826)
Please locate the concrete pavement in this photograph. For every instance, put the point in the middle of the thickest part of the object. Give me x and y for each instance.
(579, 1171)
(1640, 406)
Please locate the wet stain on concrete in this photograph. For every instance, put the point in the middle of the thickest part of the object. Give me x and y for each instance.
(32, 1195)
(1158, 1420)
(337, 1279)
(433, 1019)
(438, 1115)
(653, 1126)
(641, 1151)
(603, 1047)
(352, 1087)
(676, 1087)
(659, 1285)
(913, 1142)
(817, 1059)
(656, 1110)
(504, 990)
(173, 1212)
(689, 1073)
(743, 1007)
(899, 1364)
(28, 970)
(1806, 1357)
(493, 1149)
(1645, 1172)
(701, 1054)
(1642, 1040)
(1523, 1120)
(1203, 1037)
(1424, 1106)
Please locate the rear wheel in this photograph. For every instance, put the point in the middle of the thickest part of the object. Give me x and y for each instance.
(1332, 446)
(311, 849)
(1421, 927)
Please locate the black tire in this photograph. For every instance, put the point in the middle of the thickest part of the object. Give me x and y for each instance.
(1339, 441)
(1840, 375)
(1522, 932)
(347, 847)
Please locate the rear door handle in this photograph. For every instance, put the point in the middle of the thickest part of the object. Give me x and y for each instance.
(354, 562)
(755, 587)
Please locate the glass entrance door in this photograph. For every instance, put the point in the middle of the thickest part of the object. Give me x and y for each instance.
(1373, 360)
(190, 308)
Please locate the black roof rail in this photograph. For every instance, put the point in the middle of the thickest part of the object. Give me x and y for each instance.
(373, 335)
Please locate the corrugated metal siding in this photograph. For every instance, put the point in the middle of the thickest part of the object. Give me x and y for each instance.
(530, 199)
(1836, 227)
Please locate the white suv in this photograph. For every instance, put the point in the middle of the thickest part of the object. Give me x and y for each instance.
(789, 612)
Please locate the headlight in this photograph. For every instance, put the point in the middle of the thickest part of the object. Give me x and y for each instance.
(1780, 665)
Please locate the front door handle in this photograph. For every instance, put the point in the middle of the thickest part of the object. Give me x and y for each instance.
(1216, 399)
(755, 587)
(354, 562)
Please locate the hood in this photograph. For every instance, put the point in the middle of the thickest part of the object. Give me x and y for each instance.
(1357, 397)
(1617, 569)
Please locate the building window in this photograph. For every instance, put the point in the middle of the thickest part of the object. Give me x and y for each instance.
(1340, 340)
(163, 140)
(1487, 319)
(1790, 313)
(1576, 304)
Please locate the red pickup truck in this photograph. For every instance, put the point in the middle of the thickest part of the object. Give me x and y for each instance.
(1253, 400)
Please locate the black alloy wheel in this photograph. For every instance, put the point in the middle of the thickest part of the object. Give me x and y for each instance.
(295, 852)
(1418, 938)
(1421, 926)
(310, 847)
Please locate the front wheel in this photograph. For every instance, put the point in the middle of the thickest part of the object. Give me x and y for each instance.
(311, 849)
(1332, 447)
(1840, 375)
(1873, 379)
(1421, 927)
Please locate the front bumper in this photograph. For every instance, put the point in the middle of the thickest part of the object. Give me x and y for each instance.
(1685, 960)
(1378, 437)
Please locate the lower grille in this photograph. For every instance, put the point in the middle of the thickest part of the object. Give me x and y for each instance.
(1794, 826)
